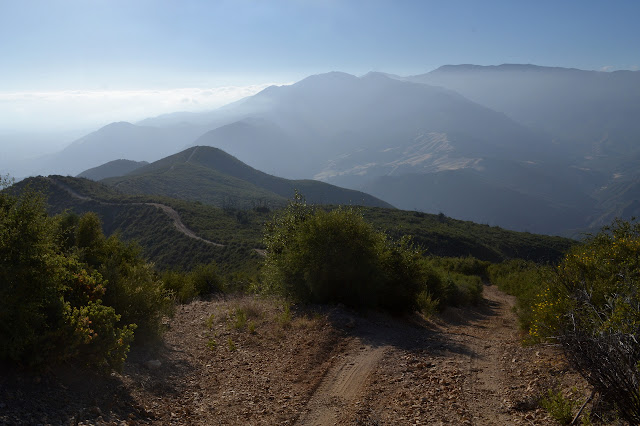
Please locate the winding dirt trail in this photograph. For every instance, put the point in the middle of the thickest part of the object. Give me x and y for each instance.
(488, 341)
(169, 211)
(467, 367)
(327, 366)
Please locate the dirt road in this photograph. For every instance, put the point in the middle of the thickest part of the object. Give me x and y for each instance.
(169, 211)
(468, 367)
(244, 360)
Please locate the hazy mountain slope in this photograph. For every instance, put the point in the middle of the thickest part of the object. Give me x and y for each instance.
(323, 117)
(618, 199)
(593, 113)
(547, 138)
(116, 141)
(471, 195)
(263, 144)
(212, 176)
(111, 169)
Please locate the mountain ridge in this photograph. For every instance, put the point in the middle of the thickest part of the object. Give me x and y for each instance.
(488, 122)
(212, 176)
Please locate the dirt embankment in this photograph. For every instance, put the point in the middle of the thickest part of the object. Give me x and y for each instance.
(252, 361)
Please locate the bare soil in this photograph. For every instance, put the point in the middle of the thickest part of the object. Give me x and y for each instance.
(251, 361)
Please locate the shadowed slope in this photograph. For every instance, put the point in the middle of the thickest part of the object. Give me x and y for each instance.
(212, 176)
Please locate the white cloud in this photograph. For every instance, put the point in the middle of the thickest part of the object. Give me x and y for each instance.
(74, 109)
(607, 68)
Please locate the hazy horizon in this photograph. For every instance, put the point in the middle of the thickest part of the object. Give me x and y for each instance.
(74, 65)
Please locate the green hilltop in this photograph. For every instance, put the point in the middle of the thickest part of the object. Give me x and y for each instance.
(211, 176)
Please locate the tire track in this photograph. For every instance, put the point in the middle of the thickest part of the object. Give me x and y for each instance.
(342, 385)
(486, 379)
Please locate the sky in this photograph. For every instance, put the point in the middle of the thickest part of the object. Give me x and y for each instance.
(80, 64)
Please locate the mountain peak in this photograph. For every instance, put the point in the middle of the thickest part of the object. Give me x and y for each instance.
(117, 125)
(376, 75)
(331, 77)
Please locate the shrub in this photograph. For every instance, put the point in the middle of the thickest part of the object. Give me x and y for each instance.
(50, 307)
(426, 303)
(29, 303)
(140, 297)
(464, 265)
(335, 256)
(201, 281)
(527, 281)
(93, 338)
(592, 306)
(133, 288)
(67, 293)
(462, 290)
(205, 279)
(558, 406)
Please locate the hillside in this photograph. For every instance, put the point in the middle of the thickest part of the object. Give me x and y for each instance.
(211, 176)
(590, 114)
(116, 141)
(496, 200)
(575, 106)
(501, 127)
(326, 117)
(111, 169)
(240, 231)
(143, 220)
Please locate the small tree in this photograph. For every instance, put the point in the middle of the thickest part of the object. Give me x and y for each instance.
(335, 256)
(50, 307)
(66, 291)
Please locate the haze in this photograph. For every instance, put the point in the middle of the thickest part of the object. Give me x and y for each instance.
(538, 132)
(76, 64)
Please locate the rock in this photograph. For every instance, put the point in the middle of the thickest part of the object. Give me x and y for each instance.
(153, 364)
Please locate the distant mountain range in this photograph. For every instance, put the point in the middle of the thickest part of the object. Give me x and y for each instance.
(115, 141)
(542, 149)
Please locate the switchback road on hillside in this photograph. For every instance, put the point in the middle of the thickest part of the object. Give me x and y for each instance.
(169, 211)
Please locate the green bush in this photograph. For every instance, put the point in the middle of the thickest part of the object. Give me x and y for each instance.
(93, 337)
(527, 281)
(50, 307)
(464, 265)
(133, 288)
(559, 407)
(201, 281)
(205, 279)
(591, 305)
(67, 293)
(319, 256)
(139, 296)
(462, 290)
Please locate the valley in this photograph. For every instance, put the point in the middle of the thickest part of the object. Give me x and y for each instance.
(318, 213)
(504, 139)
(456, 195)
